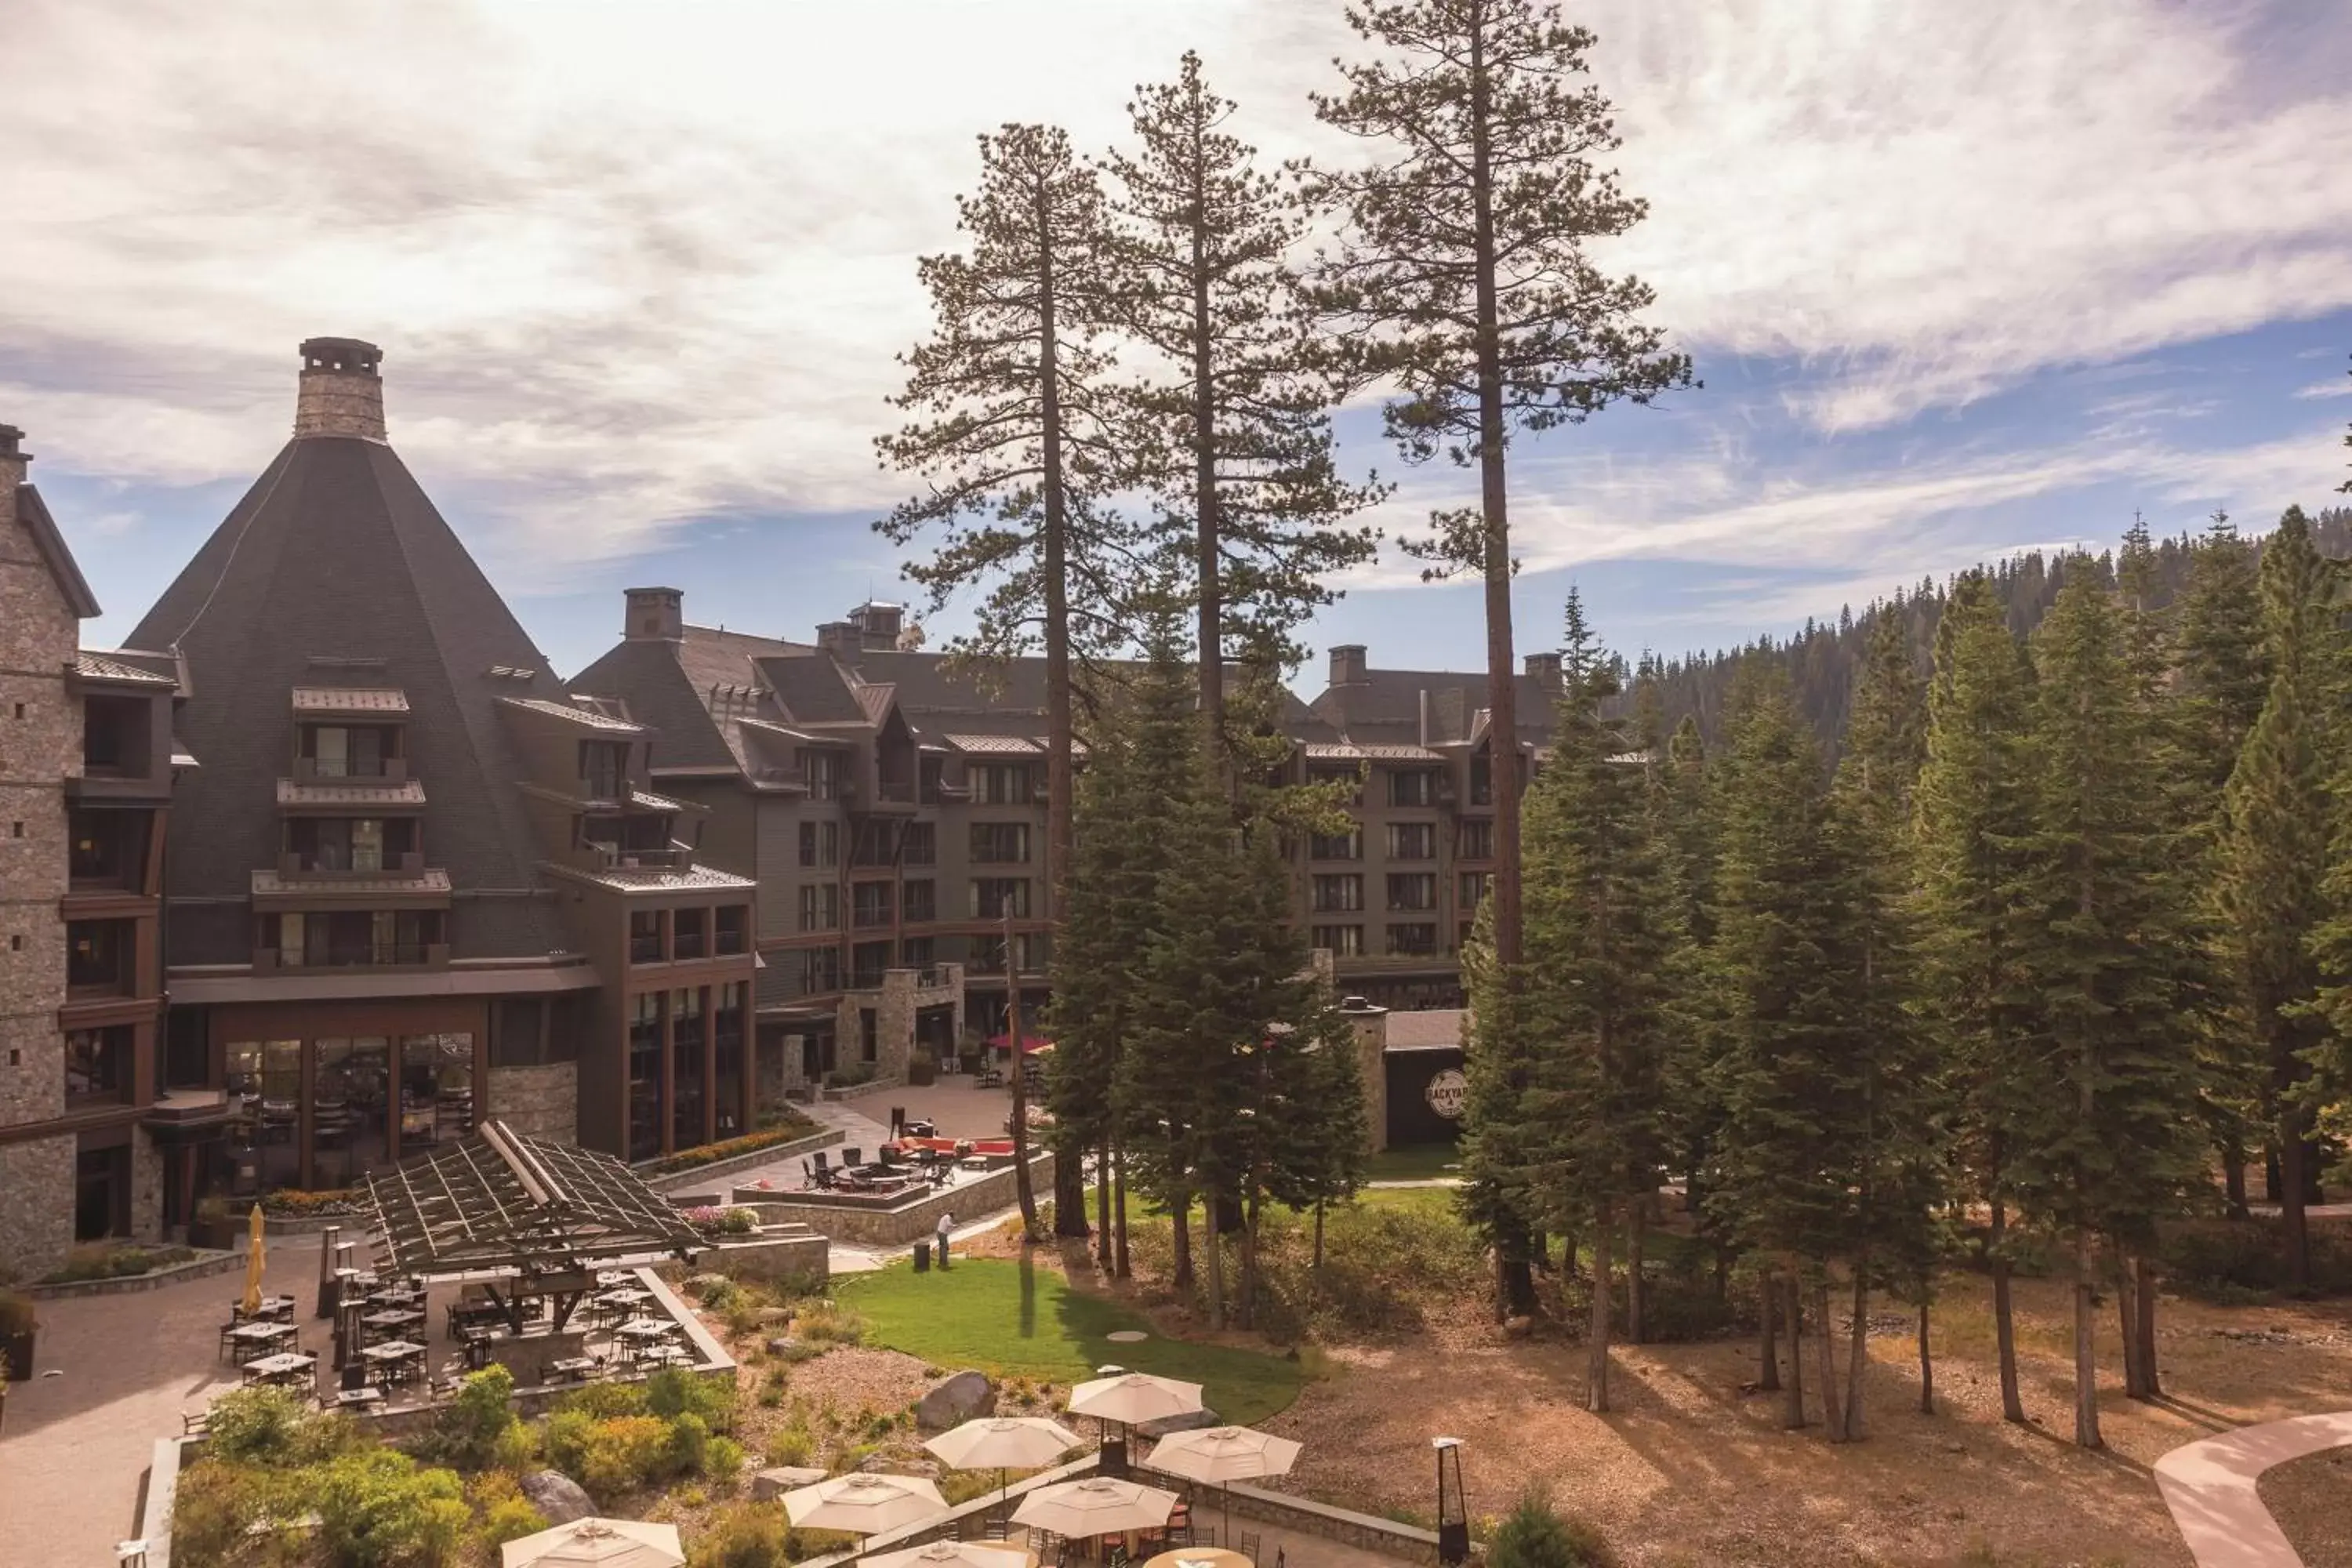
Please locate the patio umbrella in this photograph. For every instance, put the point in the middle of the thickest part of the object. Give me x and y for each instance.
(1223, 1455)
(1097, 1506)
(954, 1554)
(256, 1256)
(1133, 1397)
(603, 1542)
(864, 1505)
(1004, 1443)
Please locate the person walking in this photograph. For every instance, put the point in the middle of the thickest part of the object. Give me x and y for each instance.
(946, 1224)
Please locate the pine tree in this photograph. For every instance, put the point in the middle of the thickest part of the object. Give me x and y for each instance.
(1589, 1148)
(1462, 279)
(1234, 432)
(1971, 814)
(1011, 431)
(2273, 854)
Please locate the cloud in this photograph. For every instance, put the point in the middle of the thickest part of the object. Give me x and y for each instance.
(637, 264)
(2340, 387)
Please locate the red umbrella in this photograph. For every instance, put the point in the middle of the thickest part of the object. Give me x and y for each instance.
(1030, 1044)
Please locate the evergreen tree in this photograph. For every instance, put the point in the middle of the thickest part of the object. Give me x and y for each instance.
(2273, 855)
(1587, 1142)
(1972, 813)
(1233, 436)
(1011, 431)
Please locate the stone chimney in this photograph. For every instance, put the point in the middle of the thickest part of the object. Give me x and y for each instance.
(13, 458)
(879, 624)
(842, 639)
(1350, 665)
(340, 393)
(654, 614)
(1543, 668)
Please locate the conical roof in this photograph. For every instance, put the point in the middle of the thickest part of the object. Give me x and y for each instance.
(336, 570)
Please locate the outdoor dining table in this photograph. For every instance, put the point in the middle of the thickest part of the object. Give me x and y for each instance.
(610, 1277)
(284, 1367)
(273, 1308)
(574, 1368)
(395, 1320)
(1199, 1557)
(355, 1398)
(626, 1296)
(256, 1338)
(395, 1357)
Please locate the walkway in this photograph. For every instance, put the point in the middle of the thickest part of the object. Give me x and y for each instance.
(2209, 1486)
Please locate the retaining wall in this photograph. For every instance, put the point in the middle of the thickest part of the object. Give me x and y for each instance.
(874, 1222)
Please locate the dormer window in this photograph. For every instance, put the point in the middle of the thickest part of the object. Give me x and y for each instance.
(346, 750)
(605, 768)
(821, 771)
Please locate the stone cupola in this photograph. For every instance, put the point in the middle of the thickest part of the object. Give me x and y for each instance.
(341, 392)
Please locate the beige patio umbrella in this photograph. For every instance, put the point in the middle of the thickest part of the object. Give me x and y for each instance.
(1096, 1506)
(1133, 1397)
(256, 1259)
(1222, 1455)
(955, 1554)
(603, 1542)
(864, 1505)
(1002, 1443)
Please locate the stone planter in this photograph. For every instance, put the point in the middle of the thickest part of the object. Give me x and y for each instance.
(214, 1235)
(16, 1350)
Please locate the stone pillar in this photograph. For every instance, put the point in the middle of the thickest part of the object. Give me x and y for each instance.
(894, 1025)
(1371, 1026)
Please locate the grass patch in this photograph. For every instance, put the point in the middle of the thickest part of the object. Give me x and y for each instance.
(1415, 1162)
(1012, 1320)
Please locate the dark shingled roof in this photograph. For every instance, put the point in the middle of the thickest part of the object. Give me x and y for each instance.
(34, 513)
(336, 567)
(1387, 705)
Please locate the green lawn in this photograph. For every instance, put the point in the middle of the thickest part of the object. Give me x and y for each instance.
(1415, 1162)
(1014, 1320)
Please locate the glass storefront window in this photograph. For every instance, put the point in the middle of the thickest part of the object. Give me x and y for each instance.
(437, 1091)
(685, 1068)
(726, 1049)
(274, 1106)
(349, 1128)
(645, 1077)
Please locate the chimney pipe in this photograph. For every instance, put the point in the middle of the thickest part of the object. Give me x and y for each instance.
(340, 394)
(1544, 668)
(1424, 716)
(1349, 665)
(13, 458)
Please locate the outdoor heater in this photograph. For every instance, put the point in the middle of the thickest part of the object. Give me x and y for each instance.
(1452, 1514)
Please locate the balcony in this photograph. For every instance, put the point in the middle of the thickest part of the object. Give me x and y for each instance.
(317, 868)
(894, 796)
(358, 955)
(380, 770)
(614, 857)
(645, 949)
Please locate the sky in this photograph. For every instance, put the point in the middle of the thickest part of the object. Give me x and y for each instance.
(1958, 280)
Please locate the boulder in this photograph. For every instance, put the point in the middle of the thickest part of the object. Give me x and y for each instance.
(1191, 1420)
(768, 1485)
(1518, 1327)
(557, 1497)
(702, 1285)
(892, 1465)
(955, 1400)
(781, 1344)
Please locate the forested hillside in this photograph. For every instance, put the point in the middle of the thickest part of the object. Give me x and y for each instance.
(1823, 659)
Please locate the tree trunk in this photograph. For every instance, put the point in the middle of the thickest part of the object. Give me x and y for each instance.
(2292, 1193)
(1024, 1190)
(1249, 1262)
(2086, 1358)
(2233, 1180)
(1825, 1332)
(2127, 1323)
(2004, 1322)
(1318, 1235)
(1596, 1338)
(1926, 1358)
(1213, 1226)
(1102, 1204)
(1181, 1244)
(1636, 1223)
(2144, 1296)
(1792, 1296)
(1857, 1354)
(1767, 1374)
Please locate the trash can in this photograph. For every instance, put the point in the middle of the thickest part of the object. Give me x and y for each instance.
(922, 1258)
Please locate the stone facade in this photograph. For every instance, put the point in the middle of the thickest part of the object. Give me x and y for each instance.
(40, 748)
(872, 1222)
(1372, 1025)
(901, 997)
(537, 1101)
(341, 392)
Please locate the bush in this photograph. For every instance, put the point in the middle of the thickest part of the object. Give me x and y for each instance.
(503, 1513)
(786, 1126)
(2244, 1260)
(602, 1401)
(1533, 1536)
(623, 1453)
(827, 1325)
(467, 1432)
(794, 1445)
(690, 1445)
(113, 1261)
(214, 1508)
(749, 1535)
(289, 1203)
(517, 1449)
(672, 1393)
(378, 1510)
(723, 1461)
(564, 1440)
(16, 1313)
(254, 1426)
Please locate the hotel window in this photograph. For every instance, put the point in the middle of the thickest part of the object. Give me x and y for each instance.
(1334, 892)
(820, 970)
(1001, 784)
(1474, 886)
(1348, 846)
(98, 1065)
(869, 904)
(1412, 841)
(645, 936)
(919, 901)
(1418, 939)
(688, 928)
(603, 769)
(1341, 941)
(917, 953)
(686, 1069)
(874, 842)
(1482, 781)
(344, 752)
(1476, 840)
(1412, 786)
(989, 895)
(921, 844)
(1000, 843)
(1350, 778)
(645, 1075)
(820, 844)
(1412, 891)
(821, 771)
(733, 928)
(868, 961)
(820, 907)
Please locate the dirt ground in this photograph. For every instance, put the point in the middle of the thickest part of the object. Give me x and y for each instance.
(2312, 1501)
(1686, 1468)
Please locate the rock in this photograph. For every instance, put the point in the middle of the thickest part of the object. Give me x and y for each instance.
(702, 1285)
(1204, 1416)
(557, 1497)
(1518, 1327)
(780, 1345)
(775, 1314)
(891, 1464)
(955, 1400)
(768, 1485)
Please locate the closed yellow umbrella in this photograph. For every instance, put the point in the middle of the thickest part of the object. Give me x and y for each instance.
(254, 1257)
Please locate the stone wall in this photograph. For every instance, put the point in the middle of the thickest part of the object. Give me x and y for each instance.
(803, 1259)
(537, 1101)
(37, 1187)
(870, 1222)
(1386, 1537)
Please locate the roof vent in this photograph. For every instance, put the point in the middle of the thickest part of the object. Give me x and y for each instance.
(340, 393)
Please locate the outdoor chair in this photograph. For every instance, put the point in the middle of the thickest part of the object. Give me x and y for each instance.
(825, 1179)
(1249, 1545)
(995, 1527)
(1116, 1556)
(853, 1157)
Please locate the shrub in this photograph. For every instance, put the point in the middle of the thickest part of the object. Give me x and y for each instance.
(794, 1445)
(289, 1203)
(254, 1426)
(602, 1401)
(465, 1432)
(111, 1261)
(214, 1507)
(16, 1314)
(787, 1126)
(377, 1509)
(690, 1445)
(503, 1513)
(747, 1535)
(1533, 1536)
(827, 1325)
(623, 1453)
(723, 1461)
(850, 1077)
(564, 1440)
(2237, 1261)
(672, 1393)
(517, 1448)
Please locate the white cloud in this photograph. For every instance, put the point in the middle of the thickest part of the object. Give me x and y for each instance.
(2340, 387)
(637, 262)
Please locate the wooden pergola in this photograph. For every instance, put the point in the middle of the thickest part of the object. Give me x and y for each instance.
(548, 1214)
